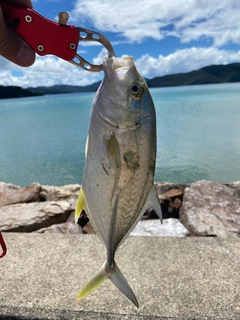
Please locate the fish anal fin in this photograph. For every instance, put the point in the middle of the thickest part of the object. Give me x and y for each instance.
(80, 205)
(153, 202)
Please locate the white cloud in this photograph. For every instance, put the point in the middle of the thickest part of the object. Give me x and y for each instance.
(6, 64)
(189, 20)
(183, 61)
(217, 21)
(99, 58)
(48, 71)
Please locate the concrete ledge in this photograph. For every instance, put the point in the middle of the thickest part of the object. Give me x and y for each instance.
(173, 278)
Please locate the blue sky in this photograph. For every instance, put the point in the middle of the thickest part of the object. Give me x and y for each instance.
(164, 37)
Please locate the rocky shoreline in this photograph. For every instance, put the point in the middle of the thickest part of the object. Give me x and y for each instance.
(203, 208)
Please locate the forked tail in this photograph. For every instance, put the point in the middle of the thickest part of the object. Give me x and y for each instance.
(115, 275)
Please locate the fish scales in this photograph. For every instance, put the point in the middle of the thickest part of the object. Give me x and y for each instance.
(117, 184)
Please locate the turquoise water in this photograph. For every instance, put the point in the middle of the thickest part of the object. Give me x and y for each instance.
(42, 139)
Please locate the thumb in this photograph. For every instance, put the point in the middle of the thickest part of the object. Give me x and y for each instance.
(13, 48)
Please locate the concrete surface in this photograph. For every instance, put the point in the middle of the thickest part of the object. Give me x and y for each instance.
(173, 278)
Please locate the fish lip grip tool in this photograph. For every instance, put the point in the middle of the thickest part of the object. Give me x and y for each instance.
(3, 245)
(48, 37)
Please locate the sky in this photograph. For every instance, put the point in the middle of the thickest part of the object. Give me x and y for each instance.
(163, 36)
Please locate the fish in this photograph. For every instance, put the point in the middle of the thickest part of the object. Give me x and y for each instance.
(118, 179)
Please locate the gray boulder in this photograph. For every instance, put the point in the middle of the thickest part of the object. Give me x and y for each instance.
(170, 196)
(11, 194)
(236, 185)
(169, 228)
(211, 209)
(163, 187)
(64, 228)
(28, 217)
(69, 193)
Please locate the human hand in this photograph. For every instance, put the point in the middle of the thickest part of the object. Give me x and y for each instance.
(12, 47)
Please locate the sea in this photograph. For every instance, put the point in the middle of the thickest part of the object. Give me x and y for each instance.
(42, 139)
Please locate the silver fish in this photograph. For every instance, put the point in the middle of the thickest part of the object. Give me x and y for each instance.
(117, 185)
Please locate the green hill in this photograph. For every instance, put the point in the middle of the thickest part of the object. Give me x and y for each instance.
(15, 92)
(207, 75)
(62, 88)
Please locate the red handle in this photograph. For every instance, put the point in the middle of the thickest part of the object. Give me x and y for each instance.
(42, 34)
(3, 245)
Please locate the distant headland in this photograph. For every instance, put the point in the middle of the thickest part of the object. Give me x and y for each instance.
(16, 92)
(212, 74)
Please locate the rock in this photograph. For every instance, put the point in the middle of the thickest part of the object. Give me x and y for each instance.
(211, 209)
(71, 218)
(177, 204)
(65, 228)
(235, 185)
(7, 186)
(83, 219)
(173, 198)
(69, 193)
(170, 196)
(173, 193)
(28, 217)
(208, 209)
(11, 194)
(88, 229)
(163, 187)
(169, 228)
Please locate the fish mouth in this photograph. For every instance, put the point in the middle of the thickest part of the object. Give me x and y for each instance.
(114, 63)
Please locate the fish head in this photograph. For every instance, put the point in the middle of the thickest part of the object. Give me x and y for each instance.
(123, 98)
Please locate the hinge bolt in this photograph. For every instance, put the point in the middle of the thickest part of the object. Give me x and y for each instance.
(40, 48)
(72, 46)
(28, 18)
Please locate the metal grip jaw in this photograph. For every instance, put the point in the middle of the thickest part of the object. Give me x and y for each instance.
(88, 35)
(47, 37)
(3, 246)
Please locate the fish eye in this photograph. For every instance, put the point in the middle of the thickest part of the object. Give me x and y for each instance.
(136, 89)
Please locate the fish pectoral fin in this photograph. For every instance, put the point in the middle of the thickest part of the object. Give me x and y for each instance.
(86, 147)
(80, 205)
(121, 283)
(153, 202)
(94, 283)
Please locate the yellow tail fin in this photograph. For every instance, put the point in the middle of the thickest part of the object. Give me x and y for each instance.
(115, 276)
(93, 284)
